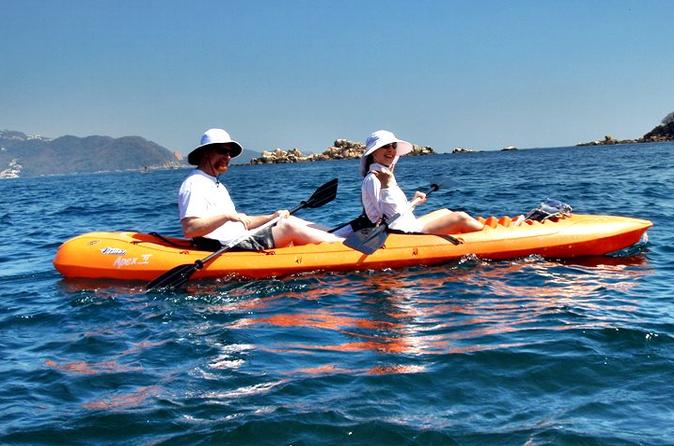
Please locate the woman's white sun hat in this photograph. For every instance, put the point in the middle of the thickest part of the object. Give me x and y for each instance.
(210, 138)
(379, 139)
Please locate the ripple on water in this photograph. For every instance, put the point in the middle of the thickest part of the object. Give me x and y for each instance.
(529, 351)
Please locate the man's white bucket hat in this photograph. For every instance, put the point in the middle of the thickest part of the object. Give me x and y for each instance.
(211, 138)
(379, 139)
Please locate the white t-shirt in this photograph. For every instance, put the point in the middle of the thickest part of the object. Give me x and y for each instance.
(380, 202)
(202, 195)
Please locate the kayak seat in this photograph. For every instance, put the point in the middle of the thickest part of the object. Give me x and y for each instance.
(198, 243)
(491, 222)
(505, 221)
(152, 237)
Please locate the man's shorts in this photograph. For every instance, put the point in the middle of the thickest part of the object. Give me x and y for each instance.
(260, 241)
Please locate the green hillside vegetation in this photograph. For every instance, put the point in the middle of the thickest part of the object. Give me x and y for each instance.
(71, 154)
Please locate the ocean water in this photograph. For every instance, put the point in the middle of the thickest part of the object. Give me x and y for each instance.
(521, 352)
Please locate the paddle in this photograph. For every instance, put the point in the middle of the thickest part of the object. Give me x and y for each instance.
(179, 275)
(362, 220)
(368, 240)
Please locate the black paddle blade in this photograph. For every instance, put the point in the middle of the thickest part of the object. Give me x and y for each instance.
(324, 194)
(367, 240)
(173, 278)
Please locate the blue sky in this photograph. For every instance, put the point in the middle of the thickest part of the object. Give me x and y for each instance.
(480, 74)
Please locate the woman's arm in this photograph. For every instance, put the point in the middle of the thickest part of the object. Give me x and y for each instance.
(370, 192)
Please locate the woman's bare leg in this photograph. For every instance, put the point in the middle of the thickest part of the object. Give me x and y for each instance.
(444, 221)
(289, 231)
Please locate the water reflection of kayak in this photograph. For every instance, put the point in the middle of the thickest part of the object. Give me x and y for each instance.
(140, 256)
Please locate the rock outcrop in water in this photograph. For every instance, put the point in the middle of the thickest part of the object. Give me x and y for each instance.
(607, 141)
(341, 149)
(462, 150)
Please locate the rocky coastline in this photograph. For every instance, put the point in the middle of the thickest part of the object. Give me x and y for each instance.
(661, 133)
(341, 149)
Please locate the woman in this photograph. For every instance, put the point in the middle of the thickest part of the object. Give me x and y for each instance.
(382, 197)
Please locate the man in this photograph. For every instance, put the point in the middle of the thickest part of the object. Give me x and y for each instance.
(208, 212)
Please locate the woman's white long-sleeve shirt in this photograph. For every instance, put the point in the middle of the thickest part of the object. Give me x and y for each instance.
(389, 201)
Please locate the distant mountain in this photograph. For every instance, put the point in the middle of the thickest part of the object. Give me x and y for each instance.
(22, 155)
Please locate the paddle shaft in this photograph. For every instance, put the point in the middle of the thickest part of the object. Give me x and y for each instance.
(368, 240)
(413, 204)
(180, 274)
(243, 237)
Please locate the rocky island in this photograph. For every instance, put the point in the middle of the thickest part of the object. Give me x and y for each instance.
(462, 150)
(340, 150)
(662, 132)
(23, 155)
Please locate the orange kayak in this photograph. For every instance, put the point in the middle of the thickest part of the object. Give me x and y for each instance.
(140, 256)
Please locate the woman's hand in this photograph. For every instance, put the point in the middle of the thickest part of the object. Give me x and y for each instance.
(384, 176)
(420, 196)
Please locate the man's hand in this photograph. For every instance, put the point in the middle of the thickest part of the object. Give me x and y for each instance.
(243, 219)
(282, 213)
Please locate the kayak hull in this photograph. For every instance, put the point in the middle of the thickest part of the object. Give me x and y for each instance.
(140, 256)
